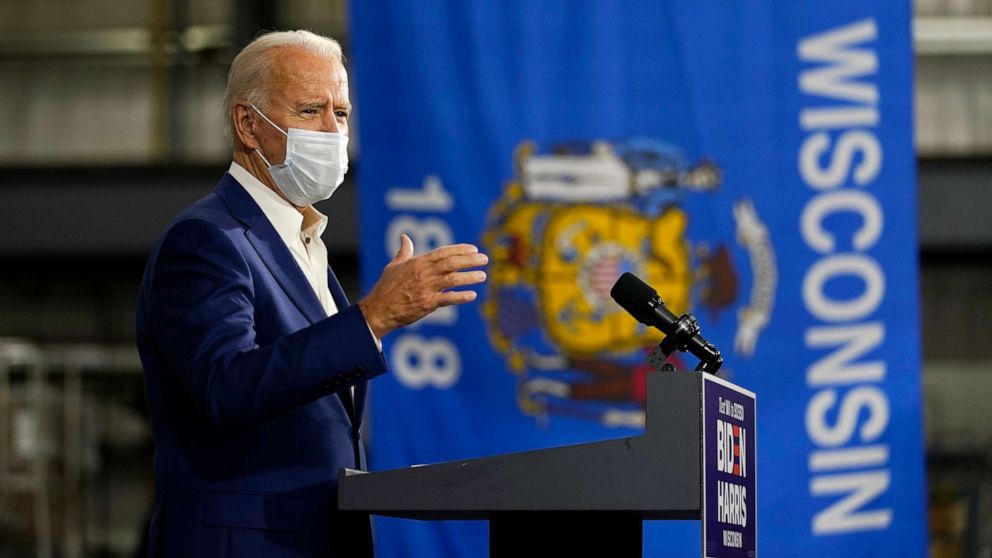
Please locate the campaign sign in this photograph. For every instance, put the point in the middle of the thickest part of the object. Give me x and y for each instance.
(729, 471)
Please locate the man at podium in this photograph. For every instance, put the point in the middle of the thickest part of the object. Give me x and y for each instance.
(255, 361)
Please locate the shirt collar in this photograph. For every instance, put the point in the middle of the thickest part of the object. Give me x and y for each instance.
(285, 218)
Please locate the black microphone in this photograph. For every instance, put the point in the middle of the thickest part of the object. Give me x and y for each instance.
(681, 332)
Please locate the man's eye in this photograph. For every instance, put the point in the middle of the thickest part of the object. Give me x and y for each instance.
(342, 114)
(310, 111)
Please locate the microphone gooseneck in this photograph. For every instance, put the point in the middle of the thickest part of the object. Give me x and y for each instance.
(681, 332)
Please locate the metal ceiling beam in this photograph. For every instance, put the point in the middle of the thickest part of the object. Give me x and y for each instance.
(935, 36)
(122, 41)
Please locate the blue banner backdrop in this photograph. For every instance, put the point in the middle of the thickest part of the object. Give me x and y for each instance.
(752, 161)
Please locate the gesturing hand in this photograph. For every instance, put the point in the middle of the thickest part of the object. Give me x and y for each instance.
(411, 287)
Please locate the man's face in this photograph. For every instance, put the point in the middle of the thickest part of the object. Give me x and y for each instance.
(306, 91)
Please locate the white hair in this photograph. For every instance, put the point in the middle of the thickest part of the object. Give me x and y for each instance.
(248, 78)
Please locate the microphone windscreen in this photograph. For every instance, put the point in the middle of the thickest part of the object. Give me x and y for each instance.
(633, 295)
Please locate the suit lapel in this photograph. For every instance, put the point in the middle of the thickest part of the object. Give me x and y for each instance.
(284, 268)
(271, 249)
(337, 293)
(354, 406)
(280, 262)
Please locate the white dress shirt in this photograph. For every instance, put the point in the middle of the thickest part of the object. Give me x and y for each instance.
(300, 231)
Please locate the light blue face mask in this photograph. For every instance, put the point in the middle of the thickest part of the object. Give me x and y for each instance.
(315, 164)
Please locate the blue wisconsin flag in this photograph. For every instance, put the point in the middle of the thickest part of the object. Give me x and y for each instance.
(751, 161)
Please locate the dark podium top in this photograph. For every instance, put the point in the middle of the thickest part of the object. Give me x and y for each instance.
(654, 476)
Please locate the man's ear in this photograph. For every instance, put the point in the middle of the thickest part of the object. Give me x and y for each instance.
(244, 125)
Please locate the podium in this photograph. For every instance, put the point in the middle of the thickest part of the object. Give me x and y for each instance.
(591, 499)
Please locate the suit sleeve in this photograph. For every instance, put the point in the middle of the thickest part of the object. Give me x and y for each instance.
(201, 307)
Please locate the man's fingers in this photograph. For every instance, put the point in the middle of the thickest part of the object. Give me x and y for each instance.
(443, 252)
(460, 279)
(449, 298)
(406, 249)
(463, 261)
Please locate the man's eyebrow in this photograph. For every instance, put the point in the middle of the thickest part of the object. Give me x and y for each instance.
(311, 103)
(323, 104)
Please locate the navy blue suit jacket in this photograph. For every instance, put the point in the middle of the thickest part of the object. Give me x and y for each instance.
(247, 382)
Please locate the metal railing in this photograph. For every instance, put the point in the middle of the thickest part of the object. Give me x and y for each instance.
(40, 383)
